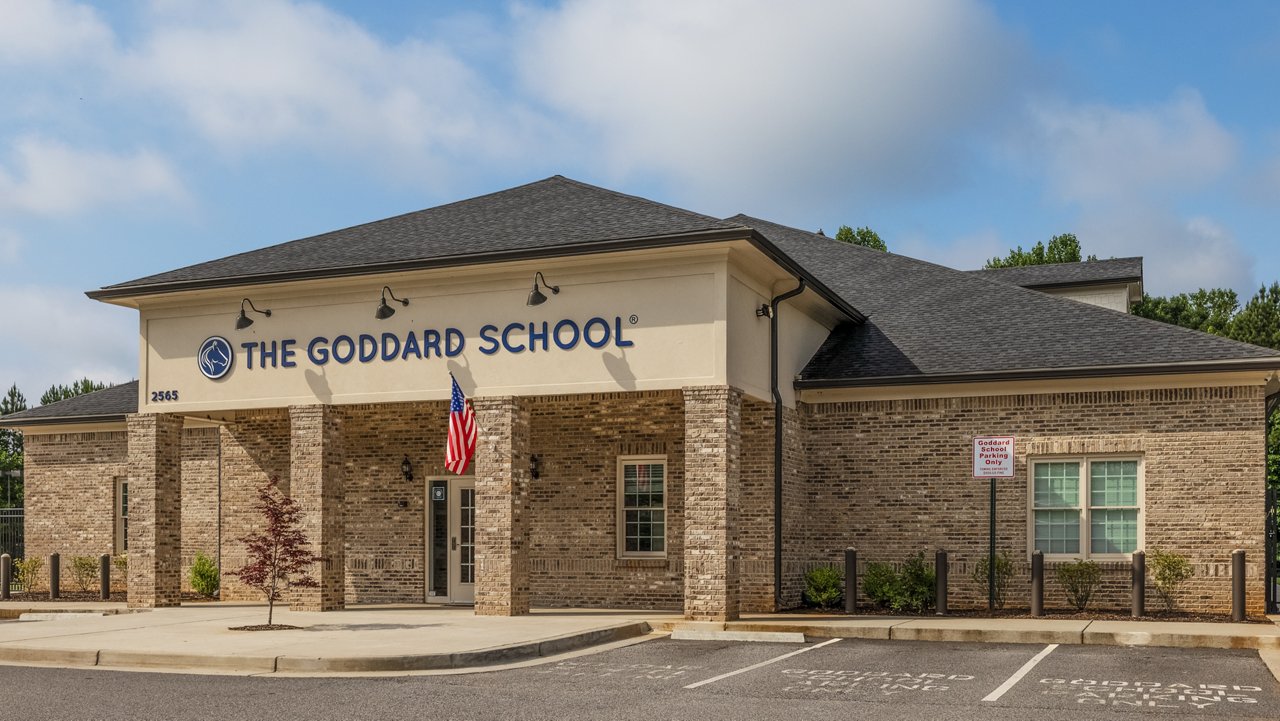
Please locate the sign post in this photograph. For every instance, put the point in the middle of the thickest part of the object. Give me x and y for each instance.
(992, 458)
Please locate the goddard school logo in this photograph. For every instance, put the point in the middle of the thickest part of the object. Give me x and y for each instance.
(215, 357)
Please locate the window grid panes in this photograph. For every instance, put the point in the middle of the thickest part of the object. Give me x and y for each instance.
(122, 518)
(644, 515)
(467, 529)
(1085, 506)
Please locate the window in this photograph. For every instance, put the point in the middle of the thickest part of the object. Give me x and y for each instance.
(642, 506)
(122, 515)
(1086, 507)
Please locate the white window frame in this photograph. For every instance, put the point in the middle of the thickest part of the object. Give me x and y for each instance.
(1085, 510)
(120, 514)
(621, 526)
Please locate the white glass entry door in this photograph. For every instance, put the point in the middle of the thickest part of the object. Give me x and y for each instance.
(462, 541)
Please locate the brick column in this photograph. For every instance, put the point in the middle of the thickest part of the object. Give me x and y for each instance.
(315, 482)
(502, 524)
(712, 439)
(155, 510)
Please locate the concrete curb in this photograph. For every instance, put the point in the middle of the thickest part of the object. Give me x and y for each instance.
(497, 655)
(1093, 633)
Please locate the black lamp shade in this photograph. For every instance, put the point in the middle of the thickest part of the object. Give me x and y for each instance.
(384, 311)
(243, 321)
(535, 296)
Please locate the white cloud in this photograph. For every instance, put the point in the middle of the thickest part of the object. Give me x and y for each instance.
(752, 101)
(49, 31)
(10, 248)
(1100, 153)
(48, 177)
(70, 338)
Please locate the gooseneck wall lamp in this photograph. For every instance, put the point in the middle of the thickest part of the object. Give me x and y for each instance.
(535, 296)
(385, 311)
(244, 321)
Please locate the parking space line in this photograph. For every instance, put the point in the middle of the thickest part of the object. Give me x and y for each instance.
(1017, 675)
(761, 664)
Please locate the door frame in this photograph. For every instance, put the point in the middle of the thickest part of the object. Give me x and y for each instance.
(454, 485)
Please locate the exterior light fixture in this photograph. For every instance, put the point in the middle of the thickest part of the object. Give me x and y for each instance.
(406, 468)
(535, 296)
(385, 311)
(244, 321)
(535, 465)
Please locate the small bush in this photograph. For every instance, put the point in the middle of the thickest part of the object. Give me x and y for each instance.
(26, 572)
(121, 564)
(1170, 571)
(84, 571)
(1080, 579)
(1004, 575)
(824, 587)
(204, 576)
(910, 590)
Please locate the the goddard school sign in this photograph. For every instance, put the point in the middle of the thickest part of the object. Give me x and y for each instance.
(216, 355)
(993, 457)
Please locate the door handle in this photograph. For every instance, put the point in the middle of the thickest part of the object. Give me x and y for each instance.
(455, 543)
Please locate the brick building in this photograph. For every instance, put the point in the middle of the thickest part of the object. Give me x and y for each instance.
(696, 412)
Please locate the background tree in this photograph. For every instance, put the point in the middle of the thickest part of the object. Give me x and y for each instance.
(11, 451)
(1211, 311)
(1063, 248)
(59, 392)
(863, 236)
(280, 555)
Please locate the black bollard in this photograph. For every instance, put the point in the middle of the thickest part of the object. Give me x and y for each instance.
(850, 580)
(1139, 593)
(1037, 583)
(55, 570)
(940, 574)
(104, 576)
(6, 576)
(1237, 585)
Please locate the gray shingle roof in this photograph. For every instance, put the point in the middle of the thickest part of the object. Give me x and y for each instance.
(1090, 272)
(108, 404)
(550, 213)
(926, 321)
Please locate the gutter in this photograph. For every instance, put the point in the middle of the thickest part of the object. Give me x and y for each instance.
(777, 440)
(1115, 371)
(61, 420)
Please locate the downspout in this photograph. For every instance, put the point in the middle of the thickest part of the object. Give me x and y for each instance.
(777, 441)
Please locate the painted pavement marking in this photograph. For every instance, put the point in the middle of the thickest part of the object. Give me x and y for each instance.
(1017, 675)
(627, 671)
(762, 664)
(883, 683)
(1149, 694)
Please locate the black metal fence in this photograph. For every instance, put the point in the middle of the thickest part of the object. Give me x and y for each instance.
(11, 532)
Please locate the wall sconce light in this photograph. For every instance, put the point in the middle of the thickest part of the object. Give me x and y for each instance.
(385, 311)
(763, 311)
(535, 466)
(406, 469)
(245, 321)
(535, 296)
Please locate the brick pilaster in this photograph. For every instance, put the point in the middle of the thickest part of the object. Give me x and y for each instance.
(155, 510)
(315, 482)
(712, 433)
(502, 519)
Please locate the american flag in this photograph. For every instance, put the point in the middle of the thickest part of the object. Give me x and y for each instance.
(461, 447)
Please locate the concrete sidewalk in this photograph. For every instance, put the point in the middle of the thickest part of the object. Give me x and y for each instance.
(367, 639)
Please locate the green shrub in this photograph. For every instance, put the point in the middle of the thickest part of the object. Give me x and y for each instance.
(824, 587)
(1004, 575)
(1170, 570)
(121, 564)
(26, 572)
(84, 571)
(204, 576)
(1080, 579)
(910, 590)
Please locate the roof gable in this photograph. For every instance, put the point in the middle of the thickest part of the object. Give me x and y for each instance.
(112, 403)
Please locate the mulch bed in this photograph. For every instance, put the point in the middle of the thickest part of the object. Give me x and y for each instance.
(1049, 613)
(65, 596)
(266, 627)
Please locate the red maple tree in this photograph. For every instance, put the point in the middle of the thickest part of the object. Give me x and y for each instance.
(280, 555)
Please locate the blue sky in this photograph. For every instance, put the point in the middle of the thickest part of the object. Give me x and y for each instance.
(140, 137)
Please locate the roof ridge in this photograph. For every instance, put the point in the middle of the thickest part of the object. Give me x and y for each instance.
(654, 203)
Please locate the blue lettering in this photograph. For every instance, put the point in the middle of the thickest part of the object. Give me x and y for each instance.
(387, 340)
(411, 346)
(586, 332)
(535, 336)
(556, 336)
(351, 349)
(430, 339)
(287, 352)
(318, 355)
(268, 354)
(454, 342)
(506, 342)
(617, 334)
(486, 336)
(368, 348)
(248, 353)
